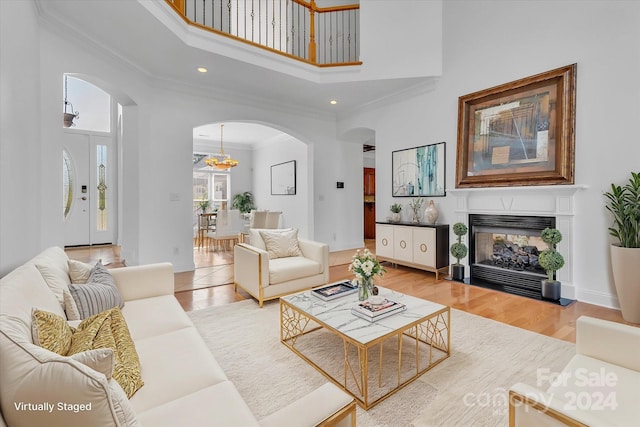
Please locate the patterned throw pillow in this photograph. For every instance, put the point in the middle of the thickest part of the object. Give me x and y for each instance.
(51, 331)
(281, 244)
(109, 330)
(100, 293)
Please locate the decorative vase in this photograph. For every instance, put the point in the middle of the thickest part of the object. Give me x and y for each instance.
(431, 213)
(395, 217)
(416, 216)
(365, 289)
(457, 272)
(551, 289)
(625, 265)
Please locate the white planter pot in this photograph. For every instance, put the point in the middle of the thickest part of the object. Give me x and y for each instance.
(625, 264)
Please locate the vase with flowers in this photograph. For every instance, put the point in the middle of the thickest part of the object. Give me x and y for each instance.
(415, 206)
(365, 266)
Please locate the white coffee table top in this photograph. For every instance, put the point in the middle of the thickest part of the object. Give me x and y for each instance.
(337, 314)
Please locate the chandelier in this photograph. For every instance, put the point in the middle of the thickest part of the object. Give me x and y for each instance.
(221, 161)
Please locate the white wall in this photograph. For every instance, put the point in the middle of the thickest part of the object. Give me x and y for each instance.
(20, 205)
(399, 39)
(338, 212)
(486, 44)
(295, 208)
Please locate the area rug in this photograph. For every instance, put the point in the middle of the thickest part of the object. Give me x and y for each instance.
(467, 389)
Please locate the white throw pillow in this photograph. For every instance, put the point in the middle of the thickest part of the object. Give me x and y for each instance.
(255, 239)
(70, 307)
(57, 280)
(281, 244)
(101, 360)
(79, 271)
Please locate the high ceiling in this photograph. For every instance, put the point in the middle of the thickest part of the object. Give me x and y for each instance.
(127, 30)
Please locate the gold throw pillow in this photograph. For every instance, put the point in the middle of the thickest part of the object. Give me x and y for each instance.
(51, 331)
(108, 329)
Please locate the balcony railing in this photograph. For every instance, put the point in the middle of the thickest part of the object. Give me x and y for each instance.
(294, 28)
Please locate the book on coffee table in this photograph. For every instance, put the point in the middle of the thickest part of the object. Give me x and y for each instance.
(373, 312)
(334, 290)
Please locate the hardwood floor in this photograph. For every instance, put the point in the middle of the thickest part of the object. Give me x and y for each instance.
(537, 316)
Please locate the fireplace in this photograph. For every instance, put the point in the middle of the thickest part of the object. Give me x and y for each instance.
(504, 250)
(553, 203)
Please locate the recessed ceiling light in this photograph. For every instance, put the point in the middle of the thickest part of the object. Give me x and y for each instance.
(333, 102)
(202, 69)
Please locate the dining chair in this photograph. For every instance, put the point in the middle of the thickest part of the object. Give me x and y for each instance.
(258, 220)
(229, 225)
(206, 223)
(273, 219)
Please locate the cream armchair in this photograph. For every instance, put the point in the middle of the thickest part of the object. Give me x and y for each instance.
(600, 386)
(267, 272)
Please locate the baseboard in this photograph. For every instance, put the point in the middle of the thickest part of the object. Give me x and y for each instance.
(598, 298)
(346, 246)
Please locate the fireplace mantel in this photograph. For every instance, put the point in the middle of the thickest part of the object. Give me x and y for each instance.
(556, 200)
(549, 200)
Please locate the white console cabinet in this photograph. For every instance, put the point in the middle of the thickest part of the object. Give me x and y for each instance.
(415, 245)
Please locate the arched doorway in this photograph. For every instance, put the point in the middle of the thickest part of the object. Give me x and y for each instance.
(257, 147)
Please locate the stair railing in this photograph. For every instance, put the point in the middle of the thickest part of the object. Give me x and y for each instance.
(294, 28)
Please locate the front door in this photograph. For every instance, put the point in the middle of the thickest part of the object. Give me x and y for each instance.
(89, 184)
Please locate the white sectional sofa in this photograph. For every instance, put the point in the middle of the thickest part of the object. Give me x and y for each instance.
(183, 383)
(600, 386)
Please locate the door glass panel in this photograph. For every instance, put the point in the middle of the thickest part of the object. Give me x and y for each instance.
(101, 168)
(67, 183)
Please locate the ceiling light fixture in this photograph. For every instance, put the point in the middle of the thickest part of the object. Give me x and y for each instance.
(67, 119)
(202, 70)
(221, 161)
(333, 102)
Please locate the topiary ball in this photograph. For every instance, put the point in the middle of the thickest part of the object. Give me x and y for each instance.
(551, 236)
(459, 229)
(458, 250)
(551, 260)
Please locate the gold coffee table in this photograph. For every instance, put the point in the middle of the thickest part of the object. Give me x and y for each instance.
(369, 360)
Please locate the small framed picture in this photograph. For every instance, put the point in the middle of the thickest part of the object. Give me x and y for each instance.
(283, 178)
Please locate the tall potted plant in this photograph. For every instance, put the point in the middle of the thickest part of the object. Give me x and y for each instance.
(624, 204)
(551, 260)
(459, 251)
(243, 202)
